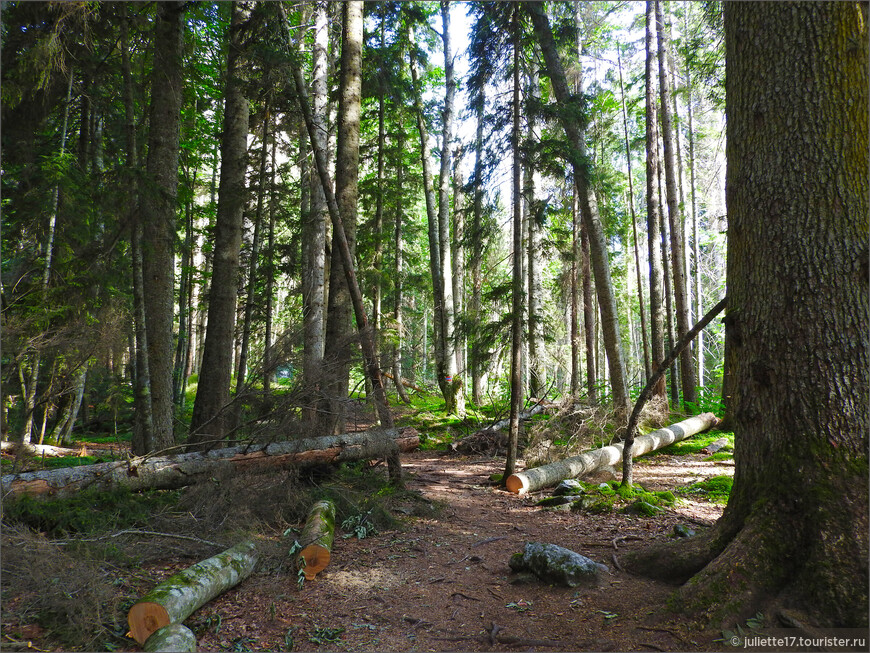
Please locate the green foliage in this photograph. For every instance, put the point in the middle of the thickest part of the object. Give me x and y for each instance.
(359, 525)
(87, 512)
(325, 635)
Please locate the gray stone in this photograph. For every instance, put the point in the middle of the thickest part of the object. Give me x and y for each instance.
(557, 565)
(568, 487)
(683, 531)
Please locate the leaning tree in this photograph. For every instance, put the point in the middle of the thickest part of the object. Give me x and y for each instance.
(793, 538)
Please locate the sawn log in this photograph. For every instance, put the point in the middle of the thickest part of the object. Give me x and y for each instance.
(171, 472)
(175, 638)
(175, 599)
(316, 539)
(546, 475)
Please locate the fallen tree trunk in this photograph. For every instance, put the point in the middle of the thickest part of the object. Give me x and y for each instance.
(16, 448)
(586, 463)
(316, 539)
(498, 426)
(180, 595)
(557, 565)
(172, 472)
(174, 637)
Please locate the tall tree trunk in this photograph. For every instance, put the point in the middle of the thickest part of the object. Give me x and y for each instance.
(314, 222)
(253, 264)
(158, 213)
(211, 418)
(793, 538)
(367, 339)
(268, 362)
(653, 219)
(339, 340)
(575, 292)
(534, 243)
(476, 258)
(458, 271)
(678, 251)
(589, 335)
(696, 250)
(640, 302)
(184, 300)
(398, 273)
(517, 292)
(451, 384)
(432, 231)
(589, 208)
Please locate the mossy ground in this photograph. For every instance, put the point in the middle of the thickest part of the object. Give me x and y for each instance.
(609, 497)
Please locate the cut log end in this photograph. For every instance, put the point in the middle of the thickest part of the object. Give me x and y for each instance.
(517, 484)
(145, 618)
(174, 637)
(316, 560)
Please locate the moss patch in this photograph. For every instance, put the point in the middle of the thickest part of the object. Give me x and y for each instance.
(716, 489)
(694, 444)
(607, 497)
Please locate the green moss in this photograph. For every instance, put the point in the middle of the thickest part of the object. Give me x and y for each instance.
(694, 444)
(720, 455)
(716, 489)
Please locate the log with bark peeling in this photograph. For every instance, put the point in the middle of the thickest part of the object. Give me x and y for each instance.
(17, 448)
(175, 599)
(172, 472)
(586, 463)
(316, 539)
(172, 638)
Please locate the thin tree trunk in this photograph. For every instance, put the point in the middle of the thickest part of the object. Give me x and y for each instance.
(211, 419)
(158, 213)
(314, 224)
(535, 287)
(643, 329)
(477, 255)
(268, 363)
(517, 292)
(458, 271)
(678, 253)
(448, 374)
(398, 280)
(242, 370)
(653, 220)
(588, 319)
(575, 292)
(589, 209)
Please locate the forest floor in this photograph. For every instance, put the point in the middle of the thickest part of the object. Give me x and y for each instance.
(441, 582)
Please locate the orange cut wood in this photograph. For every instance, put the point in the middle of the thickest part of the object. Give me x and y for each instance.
(146, 618)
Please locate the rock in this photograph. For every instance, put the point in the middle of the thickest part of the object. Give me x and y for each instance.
(597, 505)
(553, 501)
(557, 565)
(683, 531)
(568, 487)
(641, 507)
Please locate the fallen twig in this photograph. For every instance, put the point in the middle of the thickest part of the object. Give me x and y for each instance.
(624, 538)
(616, 562)
(488, 540)
(464, 596)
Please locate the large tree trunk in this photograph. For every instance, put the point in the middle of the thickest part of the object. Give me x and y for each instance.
(211, 418)
(171, 472)
(537, 478)
(516, 379)
(656, 300)
(589, 209)
(316, 539)
(793, 538)
(180, 595)
(172, 638)
(675, 217)
(339, 340)
(314, 222)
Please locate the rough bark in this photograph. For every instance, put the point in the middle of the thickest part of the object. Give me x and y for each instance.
(516, 380)
(180, 595)
(653, 220)
(476, 255)
(211, 420)
(398, 272)
(316, 539)
(675, 217)
(534, 226)
(171, 472)
(174, 637)
(537, 478)
(18, 448)
(589, 209)
(158, 213)
(798, 315)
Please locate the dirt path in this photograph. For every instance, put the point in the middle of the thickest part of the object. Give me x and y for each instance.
(444, 584)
